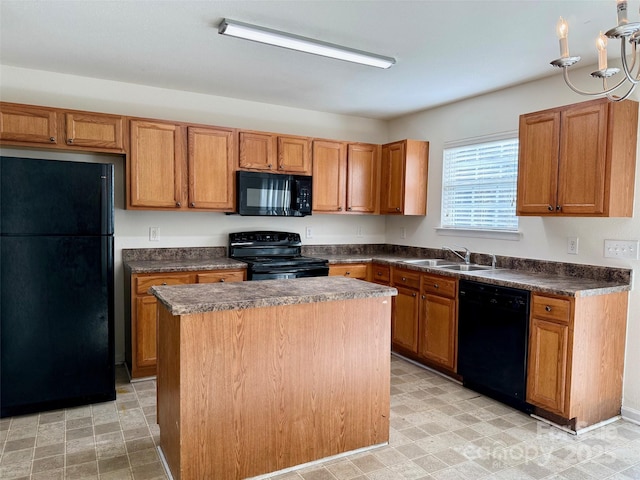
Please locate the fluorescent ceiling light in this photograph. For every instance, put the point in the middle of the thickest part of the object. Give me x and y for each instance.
(302, 44)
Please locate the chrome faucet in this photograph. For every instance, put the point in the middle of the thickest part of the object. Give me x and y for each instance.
(467, 253)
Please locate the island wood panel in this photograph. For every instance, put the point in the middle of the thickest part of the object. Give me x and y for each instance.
(254, 391)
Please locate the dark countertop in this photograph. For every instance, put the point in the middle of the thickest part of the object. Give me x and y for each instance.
(183, 265)
(569, 280)
(212, 297)
(533, 281)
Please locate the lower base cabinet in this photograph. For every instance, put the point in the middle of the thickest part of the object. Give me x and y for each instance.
(142, 312)
(576, 357)
(425, 318)
(438, 325)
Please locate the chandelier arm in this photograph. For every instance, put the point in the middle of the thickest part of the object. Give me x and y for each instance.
(625, 66)
(565, 74)
(616, 98)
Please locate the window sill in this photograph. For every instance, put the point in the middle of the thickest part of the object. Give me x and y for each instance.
(469, 232)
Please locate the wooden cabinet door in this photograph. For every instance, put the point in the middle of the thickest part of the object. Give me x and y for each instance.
(329, 176)
(94, 130)
(145, 333)
(539, 141)
(211, 158)
(294, 155)
(547, 365)
(257, 150)
(438, 330)
(393, 174)
(20, 123)
(156, 165)
(581, 174)
(404, 326)
(363, 161)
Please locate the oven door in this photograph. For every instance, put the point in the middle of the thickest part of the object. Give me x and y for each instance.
(287, 272)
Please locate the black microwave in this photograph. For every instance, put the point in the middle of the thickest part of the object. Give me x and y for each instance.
(273, 194)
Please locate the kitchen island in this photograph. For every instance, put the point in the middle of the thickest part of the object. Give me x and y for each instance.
(256, 377)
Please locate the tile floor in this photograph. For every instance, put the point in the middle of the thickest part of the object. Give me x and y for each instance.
(439, 431)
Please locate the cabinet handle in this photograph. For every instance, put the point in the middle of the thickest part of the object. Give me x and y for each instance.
(164, 283)
(222, 280)
(339, 209)
(404, 279)
(435, 285)
(192, 204)
(178, 204)
(379, 274)
(558, 207)
(70, 141)
(349, 208)
(548, 308)
(347, 273)
(423, 297)
(550, 208)
(281, 167)
(413, 294)
(52, 139)
(397, 209)
(269, 165)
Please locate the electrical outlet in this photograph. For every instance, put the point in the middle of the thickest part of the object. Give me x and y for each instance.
(572, 245)
(359, 231)
(308, 233)
(403, 232)
(154, 234)
(621, 249)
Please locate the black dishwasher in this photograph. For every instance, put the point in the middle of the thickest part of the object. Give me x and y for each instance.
(493, 334)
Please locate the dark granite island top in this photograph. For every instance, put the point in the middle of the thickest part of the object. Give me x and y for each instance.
(215, 297)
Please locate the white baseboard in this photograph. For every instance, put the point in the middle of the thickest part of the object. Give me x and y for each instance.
(631, 415)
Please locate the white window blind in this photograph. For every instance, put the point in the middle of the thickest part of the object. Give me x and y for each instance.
(479, 186)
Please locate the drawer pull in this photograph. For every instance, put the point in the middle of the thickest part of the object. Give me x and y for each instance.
(222, 279)
(548, 308)
(413, 294)
(424, 297)
(379, 274)
(164, 283)
(52, 139)
(347, 273)
(435, 285)
(404, 279)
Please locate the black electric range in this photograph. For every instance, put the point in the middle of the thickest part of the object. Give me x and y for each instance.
(272, 255)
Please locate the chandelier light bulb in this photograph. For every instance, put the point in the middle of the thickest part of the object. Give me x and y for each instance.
(562, 29)
(601, 45)
(622, 12)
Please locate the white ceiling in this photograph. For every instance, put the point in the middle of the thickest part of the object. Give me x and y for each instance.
(445, 50)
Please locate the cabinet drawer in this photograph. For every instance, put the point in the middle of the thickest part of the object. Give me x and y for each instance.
(143, 284)
(221, 276)
(558, 309)
(406, 278)
(443, 286)
(353, 270)
(381, 274)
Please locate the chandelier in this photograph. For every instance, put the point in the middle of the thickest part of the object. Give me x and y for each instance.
(625, 32)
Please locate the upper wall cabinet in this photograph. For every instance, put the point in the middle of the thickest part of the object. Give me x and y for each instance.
(173, 166)
(345, 177)
(405, 171)
(276, 153)
(578, 160)
(25, 125)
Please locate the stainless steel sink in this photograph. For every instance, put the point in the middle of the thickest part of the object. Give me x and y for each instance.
(429, 262)
(463, 267)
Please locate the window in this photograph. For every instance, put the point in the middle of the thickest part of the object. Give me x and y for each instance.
(479, 186)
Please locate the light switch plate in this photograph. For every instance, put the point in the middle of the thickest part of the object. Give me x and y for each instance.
(621, 249)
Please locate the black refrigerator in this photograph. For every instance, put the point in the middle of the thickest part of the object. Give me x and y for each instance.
(56, 285)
